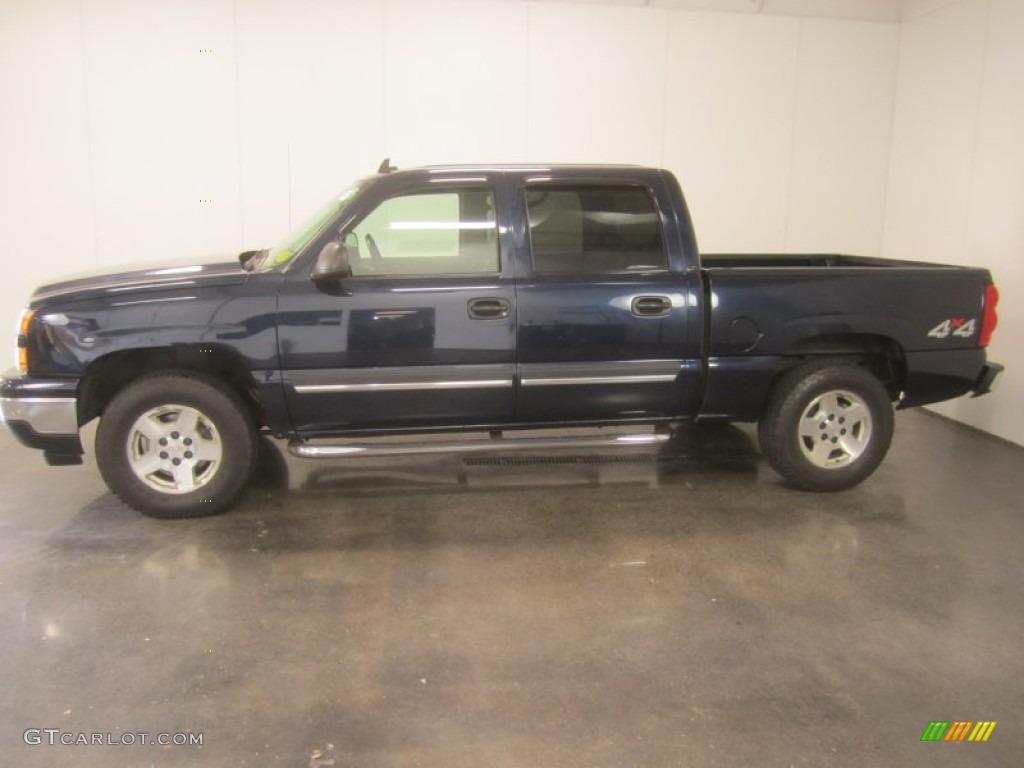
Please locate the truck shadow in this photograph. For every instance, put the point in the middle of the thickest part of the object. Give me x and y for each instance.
(705, 481)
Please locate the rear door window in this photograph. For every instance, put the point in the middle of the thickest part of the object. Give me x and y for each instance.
(588, 229)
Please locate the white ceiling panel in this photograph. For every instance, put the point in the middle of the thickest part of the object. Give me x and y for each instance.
(857, 10)
(607, 2)
(723, 6)
(913, 9)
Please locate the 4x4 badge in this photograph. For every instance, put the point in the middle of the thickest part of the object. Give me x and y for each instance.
(955, 326)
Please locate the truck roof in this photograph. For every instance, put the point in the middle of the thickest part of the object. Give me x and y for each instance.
(512, 167)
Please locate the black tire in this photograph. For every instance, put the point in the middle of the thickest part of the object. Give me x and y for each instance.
(201, 481)
(827, 426)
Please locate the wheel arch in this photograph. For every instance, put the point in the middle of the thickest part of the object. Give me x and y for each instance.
(881, 355)
(106, 376)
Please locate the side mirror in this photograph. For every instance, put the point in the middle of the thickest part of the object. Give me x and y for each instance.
(245, 256)
(332, 263)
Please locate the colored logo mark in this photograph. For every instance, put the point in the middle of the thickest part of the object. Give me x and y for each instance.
(958, 730)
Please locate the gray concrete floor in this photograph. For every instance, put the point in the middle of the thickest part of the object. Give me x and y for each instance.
(682, 609)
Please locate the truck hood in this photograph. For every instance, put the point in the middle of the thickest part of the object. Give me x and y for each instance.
(208, 272)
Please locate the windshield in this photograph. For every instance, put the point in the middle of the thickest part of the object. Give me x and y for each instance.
(301, 236)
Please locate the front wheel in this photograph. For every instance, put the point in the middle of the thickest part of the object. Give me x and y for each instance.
(176, 445)
(828, 425)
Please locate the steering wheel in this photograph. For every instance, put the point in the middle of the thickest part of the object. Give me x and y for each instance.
(372, 245)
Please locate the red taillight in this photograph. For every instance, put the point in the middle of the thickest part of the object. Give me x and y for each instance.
(989, 319)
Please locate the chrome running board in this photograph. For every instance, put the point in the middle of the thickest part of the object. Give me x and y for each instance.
(342, 450)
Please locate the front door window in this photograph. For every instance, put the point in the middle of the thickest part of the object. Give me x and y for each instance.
(451, 232)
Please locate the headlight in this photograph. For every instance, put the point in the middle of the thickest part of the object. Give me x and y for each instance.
(22, 349)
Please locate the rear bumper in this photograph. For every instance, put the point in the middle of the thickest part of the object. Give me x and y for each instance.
(987, 379)
(943, 374)
(43, 414)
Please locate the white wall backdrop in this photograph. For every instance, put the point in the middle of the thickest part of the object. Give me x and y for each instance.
(139, 130)
(956, 190)
(128, 113)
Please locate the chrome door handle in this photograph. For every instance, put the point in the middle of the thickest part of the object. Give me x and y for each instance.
(489, 309)
(651, 306)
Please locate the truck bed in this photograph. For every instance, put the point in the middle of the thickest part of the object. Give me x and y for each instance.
(763, 307)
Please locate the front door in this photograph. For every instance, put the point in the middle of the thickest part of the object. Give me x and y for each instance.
(422, 334)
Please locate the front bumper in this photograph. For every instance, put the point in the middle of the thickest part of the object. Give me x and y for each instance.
(987, 379)
(43, 414)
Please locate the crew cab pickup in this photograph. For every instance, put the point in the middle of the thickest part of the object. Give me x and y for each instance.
(472, 301)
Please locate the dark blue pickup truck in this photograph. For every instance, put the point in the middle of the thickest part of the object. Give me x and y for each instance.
(471, 301)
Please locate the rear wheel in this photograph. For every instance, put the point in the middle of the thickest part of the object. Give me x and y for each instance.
(828, 425)
(176, 445)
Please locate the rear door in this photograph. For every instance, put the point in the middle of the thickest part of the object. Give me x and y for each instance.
(604, 306)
